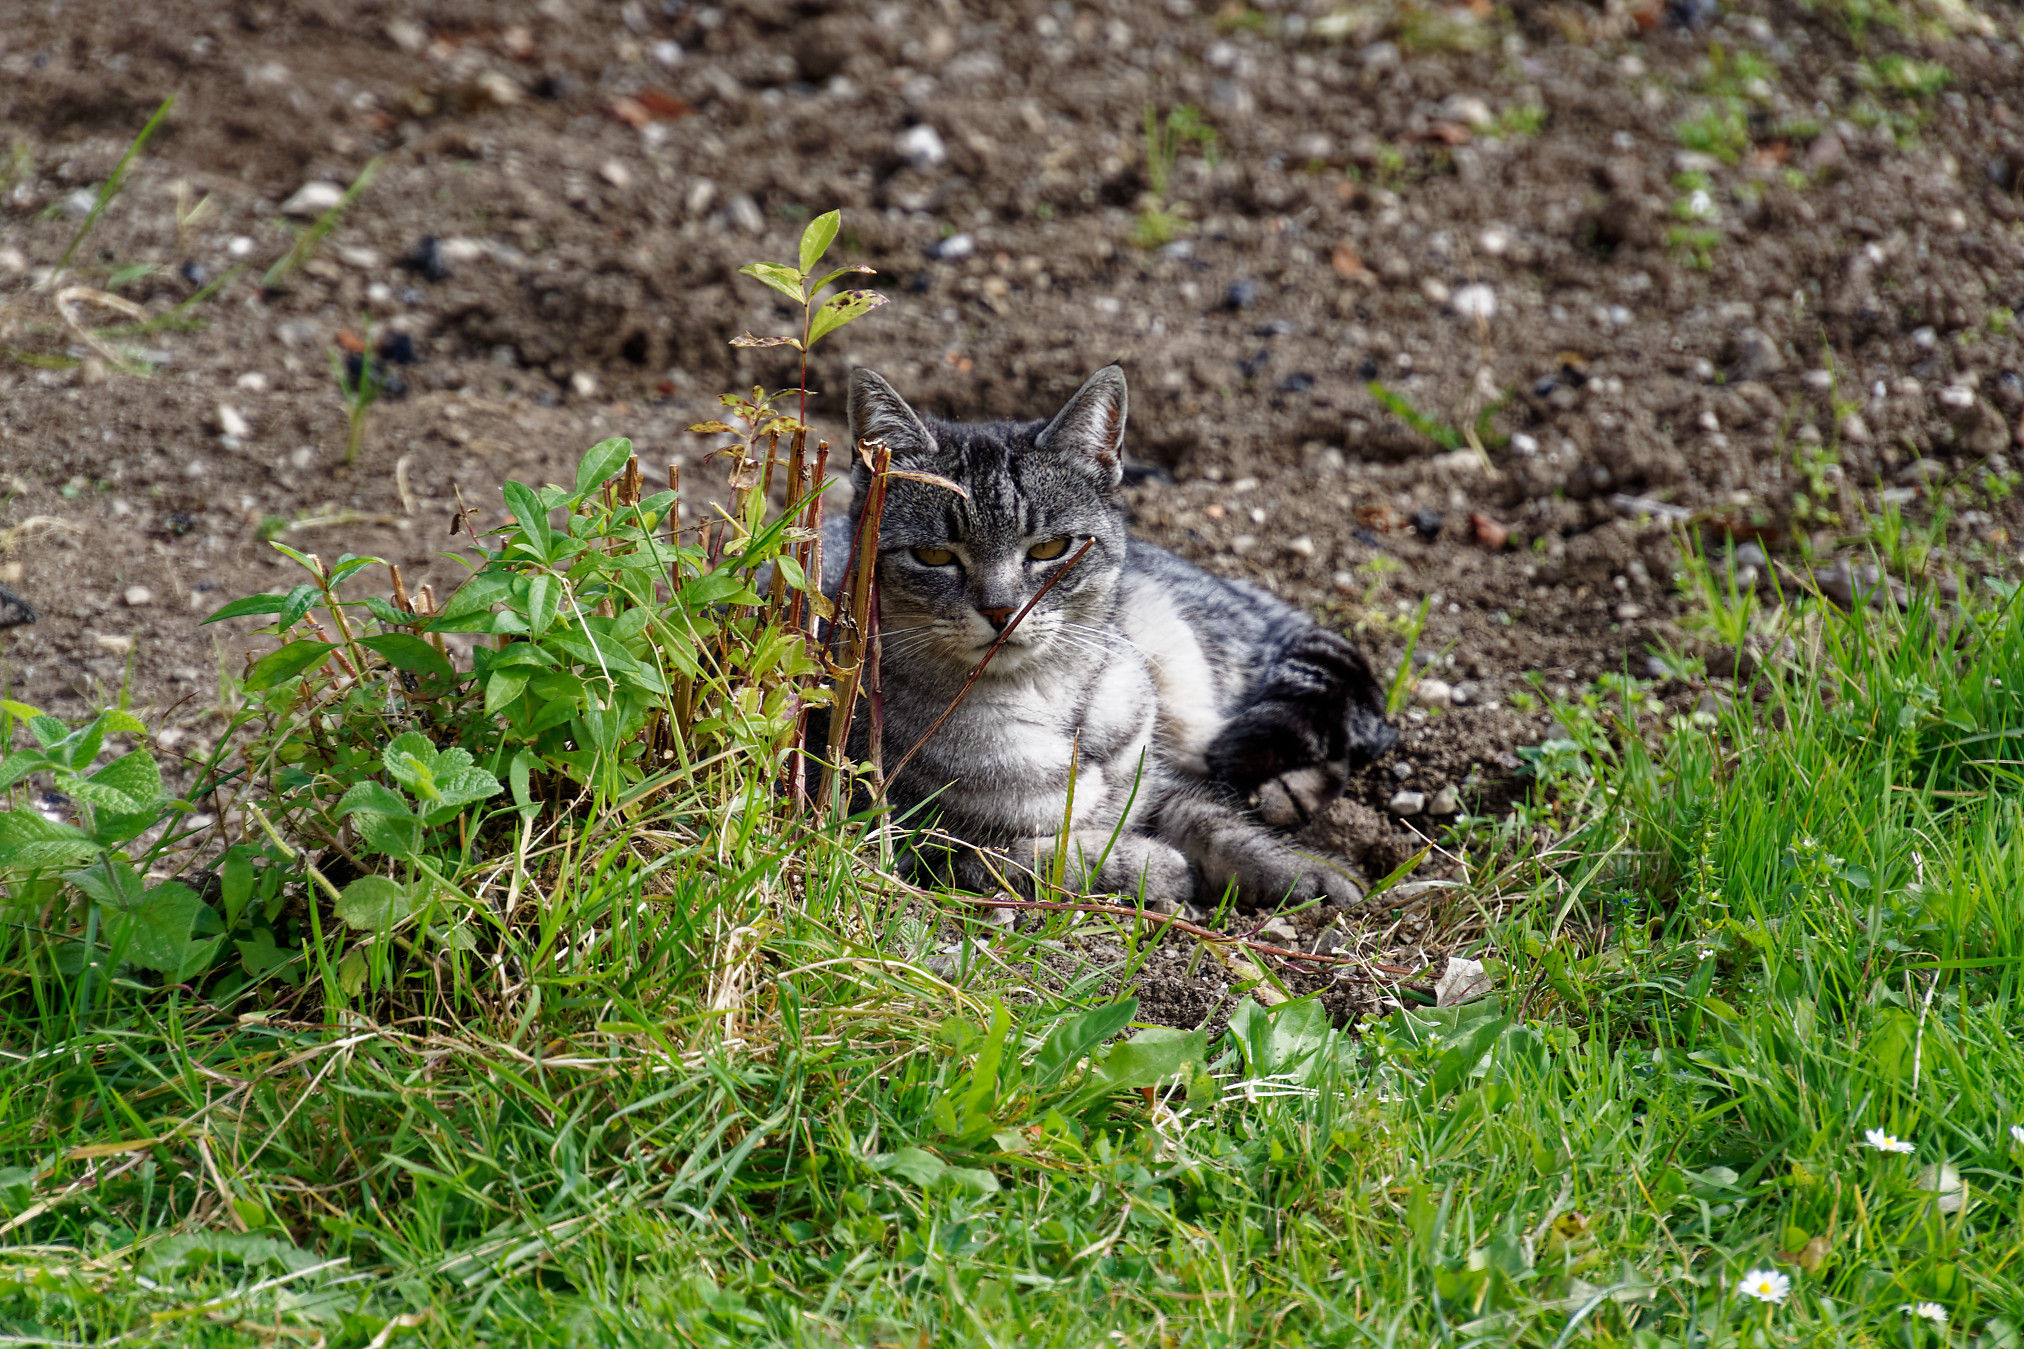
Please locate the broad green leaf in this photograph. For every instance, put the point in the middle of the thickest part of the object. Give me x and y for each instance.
(205, 1248)
(777, 275)
(717, 587)
(386, 613)
(300, 559)
(475, 596)
(544, 597)
(1455, 1065)
(1077, 1037)
(531, 514)
(262, 959)
(111, 882)
(441, 781)
(19, 766)
(1153, 1056)
(117, 722)
(47, 730)
(134, 776)
(300, 601)
(19, 711)
(816, 239)
(969, 1181)
(855, 269)
(291, 660)
(376, 904)
(841, 308)
(29, 841)
(374, 798)
(251, 604)
(606, 459)
(502, 687)
(407, 652)
(235, 885)
(921, 1167)
(154, 932)
(346, 566)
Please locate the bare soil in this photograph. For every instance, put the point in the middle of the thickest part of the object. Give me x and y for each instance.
(1831, 345)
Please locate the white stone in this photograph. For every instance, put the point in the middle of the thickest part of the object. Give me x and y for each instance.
(240, 246)
(459, 250)
(921, 146)
(137, 596)
(1279, 930)
(583, 384)
(1434, 692)
(668, 53)
(1301, 547)
(232, 423)
(114, 642)
(615, 173)
(1494, 241)
(252, 382)
(1407, 803)
(1476, 301)
(13, 260)
(313, 199)
(1470, 110)
(1446, 801)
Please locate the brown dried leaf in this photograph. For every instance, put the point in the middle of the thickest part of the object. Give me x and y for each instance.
(1348, 265)
(747, 340)
(1489, 533)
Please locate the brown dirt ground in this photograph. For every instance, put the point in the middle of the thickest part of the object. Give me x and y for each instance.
(1371, 163)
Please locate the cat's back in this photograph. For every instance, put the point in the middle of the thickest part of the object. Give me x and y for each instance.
(1205, 639)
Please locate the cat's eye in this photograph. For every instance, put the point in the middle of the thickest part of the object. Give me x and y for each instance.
(934, 557)
(1048, 551)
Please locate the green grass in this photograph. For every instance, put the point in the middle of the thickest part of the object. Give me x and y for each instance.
(603, 1041)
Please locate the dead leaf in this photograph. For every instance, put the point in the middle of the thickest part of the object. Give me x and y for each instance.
(1445, 133)
(1348, 265)
(1489, 533)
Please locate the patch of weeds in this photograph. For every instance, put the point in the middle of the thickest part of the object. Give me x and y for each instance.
(1894, 73)
(1479, 436)
(2001, 320)
(1527, 119)
(312, 235)
(1441, 28)
(1158, 224)
(1721, 129)
(359, 382)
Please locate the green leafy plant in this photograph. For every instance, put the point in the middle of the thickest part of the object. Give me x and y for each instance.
(1481, 434)
(1158, 224)
(359, 383)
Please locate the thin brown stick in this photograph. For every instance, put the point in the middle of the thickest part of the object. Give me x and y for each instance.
(970, 681)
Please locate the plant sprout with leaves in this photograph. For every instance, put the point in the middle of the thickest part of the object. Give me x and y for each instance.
(360, 385)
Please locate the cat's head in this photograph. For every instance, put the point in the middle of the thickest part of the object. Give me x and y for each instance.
(956, 568)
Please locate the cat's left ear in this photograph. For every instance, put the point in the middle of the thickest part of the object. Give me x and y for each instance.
(1092, 423)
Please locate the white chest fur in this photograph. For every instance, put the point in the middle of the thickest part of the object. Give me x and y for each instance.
(1190, 703)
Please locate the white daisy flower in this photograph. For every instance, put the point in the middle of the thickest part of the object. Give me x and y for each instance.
(1926, 1311)
(1766, 1285)
(2017, 1134)
(1884, 1142)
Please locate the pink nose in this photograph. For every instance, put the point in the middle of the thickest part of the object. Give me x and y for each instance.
(997, 618)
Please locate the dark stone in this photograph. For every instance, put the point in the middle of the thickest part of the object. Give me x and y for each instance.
(194, 272)
(1428, 523)
(1251, 367)
(1298, 382)
(398, 348)
(426, 257)
(14, 611)
(1241, 295)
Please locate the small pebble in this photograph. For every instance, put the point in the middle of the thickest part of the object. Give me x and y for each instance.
(313, 199)
(745, 214)
(1301, 547)
(426, 257)
(80, 203)
(615, 173)
(252, 381)
(1401, 769)
(232, 423)
(922, 147)
(240, 246)
(117, 643)
(137, 596)
(1494, 241)
(1446, 802)
(954, 248)
(1629, 611)
(1435, 693)
(1241, 295)
(1476, 301)
(1427, 523)
(1278, 930)
(1407, 803)
(583, 384)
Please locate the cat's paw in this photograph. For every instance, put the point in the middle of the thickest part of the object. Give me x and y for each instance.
(1330, 884)
(1292, 800)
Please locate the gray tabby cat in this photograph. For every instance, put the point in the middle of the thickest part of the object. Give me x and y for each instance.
(1192, 712)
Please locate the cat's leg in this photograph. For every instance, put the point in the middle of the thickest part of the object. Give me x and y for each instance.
(1316, 714)
(1228, 845)
(1132, 865)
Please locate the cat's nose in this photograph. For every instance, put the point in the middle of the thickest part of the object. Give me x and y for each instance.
(997, 618)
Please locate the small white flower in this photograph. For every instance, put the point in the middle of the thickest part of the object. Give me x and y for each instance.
(1705, 952)
(2017, 1134)
(1884, 1142)
(1766, 1285)
(1700, 205)
(1929, 1311)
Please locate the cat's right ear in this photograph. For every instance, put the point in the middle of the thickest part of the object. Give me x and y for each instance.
(878, 413)
(1092, 424)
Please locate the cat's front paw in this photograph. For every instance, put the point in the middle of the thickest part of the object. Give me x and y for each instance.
(1328, 883)
(1292, 800)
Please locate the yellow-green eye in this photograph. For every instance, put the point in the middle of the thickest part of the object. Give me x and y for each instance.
(1048, 551)
(934, 557)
